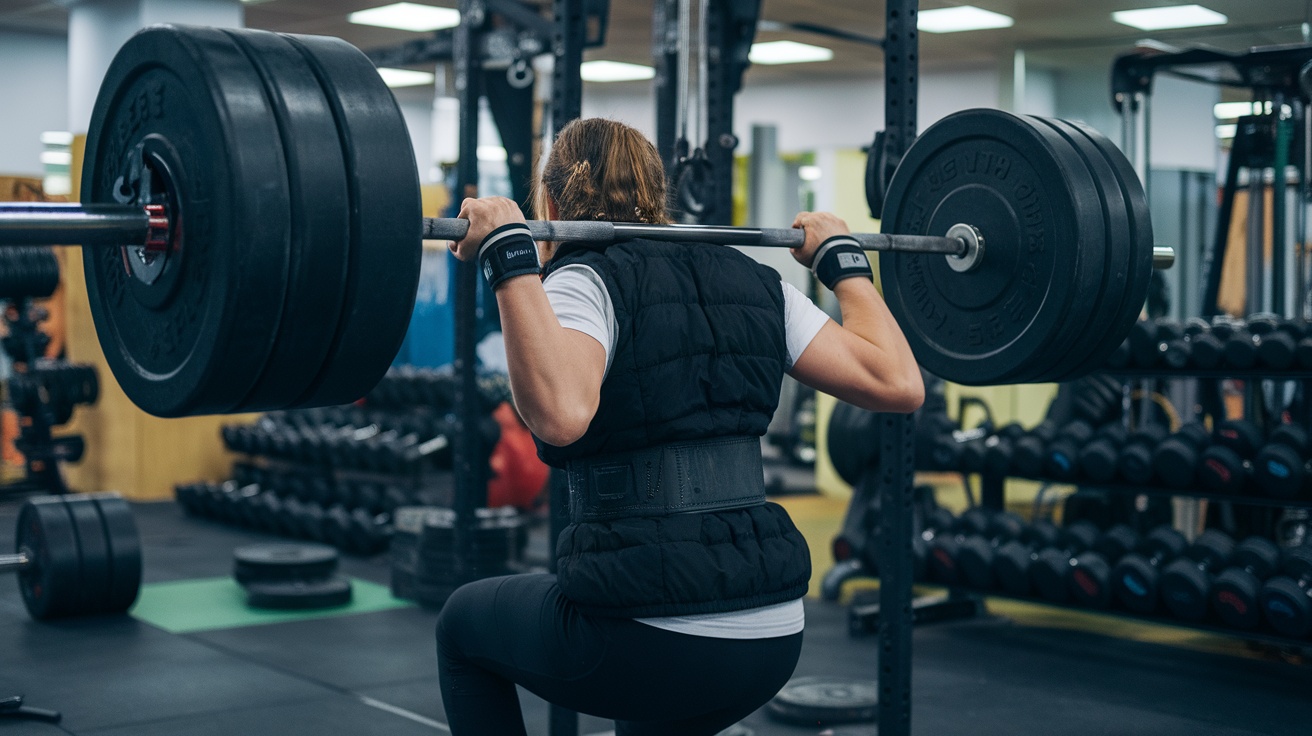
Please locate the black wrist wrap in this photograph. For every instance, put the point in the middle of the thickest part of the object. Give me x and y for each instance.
(506, 252)
(840, 257)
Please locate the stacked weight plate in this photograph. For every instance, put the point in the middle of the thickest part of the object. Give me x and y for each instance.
(425, 564)
(1067, 255)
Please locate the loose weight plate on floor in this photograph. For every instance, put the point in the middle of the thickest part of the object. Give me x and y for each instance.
(182, 120)
(997, 323)
(299, 594)
(821, 701)
(278, 562)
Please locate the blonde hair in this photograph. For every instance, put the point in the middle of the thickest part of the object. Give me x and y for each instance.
(602, 169)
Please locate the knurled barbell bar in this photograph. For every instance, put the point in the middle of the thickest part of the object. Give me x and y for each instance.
(76, 555)
(260, 195)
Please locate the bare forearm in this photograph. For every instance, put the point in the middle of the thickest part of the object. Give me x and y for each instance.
(866, 315)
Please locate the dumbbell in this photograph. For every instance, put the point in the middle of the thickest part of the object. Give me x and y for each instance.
(947, 450)
(1241, 347)
(1134, 463)
(1286, 599)
(1276, 349)
(936, 522)
(1013, 561)
(1152, 340)
(1089, 576)
(1027, 451)
(1208, 348)
(943, 550)
(977, 554)
(999, 448)
(1061, 457)
(1223, 467)
(1135, 578)
(1280, 469)
(1236, 590)
(1175, 460)
(1097, 459)
(1187, 582)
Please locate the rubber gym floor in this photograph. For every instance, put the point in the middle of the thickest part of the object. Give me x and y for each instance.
(191, 659)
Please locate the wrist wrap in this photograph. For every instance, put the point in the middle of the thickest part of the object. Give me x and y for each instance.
(840, 257)
(507, 252)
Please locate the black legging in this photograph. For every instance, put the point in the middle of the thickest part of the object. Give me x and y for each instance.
(497, 632)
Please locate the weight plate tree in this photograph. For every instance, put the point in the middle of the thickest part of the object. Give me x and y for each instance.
(251, 205)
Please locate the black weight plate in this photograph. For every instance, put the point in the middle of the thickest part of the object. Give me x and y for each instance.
(994, 171)
(280, 562)
(817, 701)
(95, 570)
(299, 594)
(1067, 351)
(195, 340)
(320, 219)
(853, 441)
(45, 533)
(386, 222)
(1141, 241)
(1098, 343)
(124, 550)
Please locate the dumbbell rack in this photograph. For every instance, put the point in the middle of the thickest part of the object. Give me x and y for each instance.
(42, 452)
(992, 496)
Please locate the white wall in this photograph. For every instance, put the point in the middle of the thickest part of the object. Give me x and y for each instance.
(811, 116)
(32, 98)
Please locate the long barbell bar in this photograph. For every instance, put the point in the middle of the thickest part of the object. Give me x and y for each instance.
(127, 225)
(15, 563)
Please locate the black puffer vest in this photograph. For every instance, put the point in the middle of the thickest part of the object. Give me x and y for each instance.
(699, 354)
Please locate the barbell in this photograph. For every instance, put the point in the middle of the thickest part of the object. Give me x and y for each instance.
(258, 198)
(76, 555)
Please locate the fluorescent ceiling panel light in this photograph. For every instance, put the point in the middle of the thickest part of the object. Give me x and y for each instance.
(407, 17)
(787, 52)
(1175, 16)
(602, 70)
(405, 77)
(1226, 131)
(57, 138)
(809, 173)
(57, 158)
(491, 153)
(1231, 110)
(961, 18)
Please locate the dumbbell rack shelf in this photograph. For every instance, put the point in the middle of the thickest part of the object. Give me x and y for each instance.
(1269, 374)
(1184, 492)
(1207, 625)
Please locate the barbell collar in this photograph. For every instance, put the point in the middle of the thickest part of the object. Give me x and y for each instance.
(15, 563)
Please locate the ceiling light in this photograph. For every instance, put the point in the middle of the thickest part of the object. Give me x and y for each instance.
(809, 173)
(961, 18)
(407, 17)
(56, 158)
(1231, 110)
(1226, 131)
(57, 138)
(787, 52)
(1176, 16)
(614, 71)
(405, 77)
(491, 153)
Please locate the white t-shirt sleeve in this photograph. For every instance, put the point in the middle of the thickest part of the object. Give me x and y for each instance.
(802, 321)
(579, 298)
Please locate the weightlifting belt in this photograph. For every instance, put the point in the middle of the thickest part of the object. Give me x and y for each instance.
(678, 478)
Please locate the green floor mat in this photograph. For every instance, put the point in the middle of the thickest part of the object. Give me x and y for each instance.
(187, 606)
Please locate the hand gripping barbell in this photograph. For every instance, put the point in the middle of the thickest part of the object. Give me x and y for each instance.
(258, 198)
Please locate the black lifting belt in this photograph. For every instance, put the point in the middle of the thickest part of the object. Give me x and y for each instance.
(679, 478)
